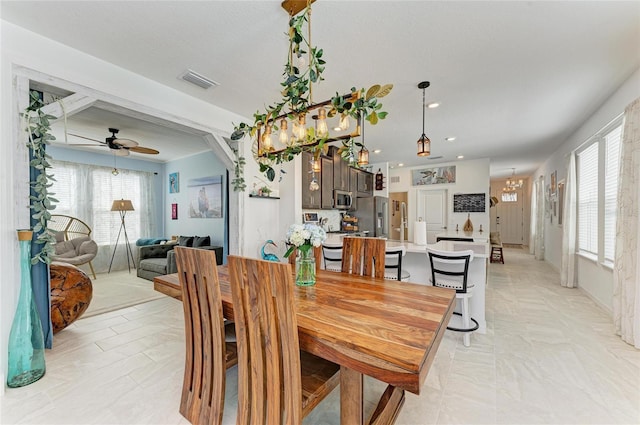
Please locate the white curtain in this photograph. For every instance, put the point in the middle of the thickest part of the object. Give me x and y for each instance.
(568, 271)
(626, 276)
(87, 192)
(538, 236)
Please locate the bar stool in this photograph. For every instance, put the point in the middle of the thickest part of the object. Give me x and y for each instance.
(393, 264)
(449, 269)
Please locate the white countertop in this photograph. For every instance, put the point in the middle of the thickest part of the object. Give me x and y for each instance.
(475, 235)
(480, 248)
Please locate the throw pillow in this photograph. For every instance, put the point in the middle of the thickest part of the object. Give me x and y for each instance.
(185, 241)
(199, 241)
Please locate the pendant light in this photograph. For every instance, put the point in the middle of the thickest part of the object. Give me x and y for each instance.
(363, 155)
(424, 144)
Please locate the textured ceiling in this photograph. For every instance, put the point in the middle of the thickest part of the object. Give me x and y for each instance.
(514, 79)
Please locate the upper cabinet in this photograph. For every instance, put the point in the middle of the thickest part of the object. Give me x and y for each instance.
(340, 171)
(327, 182)
(365, 184)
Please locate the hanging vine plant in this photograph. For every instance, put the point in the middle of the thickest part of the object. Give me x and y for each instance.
(42, 201)
(297, 99)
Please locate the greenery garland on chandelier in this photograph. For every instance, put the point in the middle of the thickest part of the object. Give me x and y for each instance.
(41, 202)
(297, 97)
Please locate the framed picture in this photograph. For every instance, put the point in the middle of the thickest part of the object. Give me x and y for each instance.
(174, 183)
(174, 211)
(554, 182)
(205, 197)
(561, 185)
(434, 175)
(469, 202)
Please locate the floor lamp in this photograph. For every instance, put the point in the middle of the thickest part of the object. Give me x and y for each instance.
(122, 206)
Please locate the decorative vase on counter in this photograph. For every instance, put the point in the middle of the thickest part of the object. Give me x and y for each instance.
(305, 268)
(468, 226)
(26, 340)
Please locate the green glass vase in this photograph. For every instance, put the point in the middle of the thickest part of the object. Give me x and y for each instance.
(26, 340)
(305, 268)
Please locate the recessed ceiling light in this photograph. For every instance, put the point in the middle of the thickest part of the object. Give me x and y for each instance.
(460, 156)
(377, 150)
(433, 105)
(401, 165)
(450, 139)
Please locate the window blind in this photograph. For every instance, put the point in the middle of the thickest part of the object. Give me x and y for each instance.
(587, 179)
(612, 163)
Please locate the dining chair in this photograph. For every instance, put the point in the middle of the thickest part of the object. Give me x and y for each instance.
(393, 264)
(363, 256)
(207, 354)
(450, 269)
(277, 383)
(332, 257)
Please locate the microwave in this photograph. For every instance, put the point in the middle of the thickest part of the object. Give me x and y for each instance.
(342, 200)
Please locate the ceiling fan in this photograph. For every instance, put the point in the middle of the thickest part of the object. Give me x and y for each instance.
(121, 147)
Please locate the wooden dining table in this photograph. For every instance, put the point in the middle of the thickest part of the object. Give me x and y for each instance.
(385, 329)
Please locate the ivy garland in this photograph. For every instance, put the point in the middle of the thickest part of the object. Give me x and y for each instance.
(296, 96)
(39, 127)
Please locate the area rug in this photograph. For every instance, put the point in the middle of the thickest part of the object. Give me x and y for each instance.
(120, 289)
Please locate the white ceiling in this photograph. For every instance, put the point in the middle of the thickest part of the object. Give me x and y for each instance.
(514, 79)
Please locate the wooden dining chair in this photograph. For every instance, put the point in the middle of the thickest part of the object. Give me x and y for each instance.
(277, 383)
(363, 256)
(207, 354)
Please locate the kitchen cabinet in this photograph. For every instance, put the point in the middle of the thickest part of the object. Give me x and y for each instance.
(353, 187)
(340, 171)
(327, 183)
(365, 184)
(310, 198)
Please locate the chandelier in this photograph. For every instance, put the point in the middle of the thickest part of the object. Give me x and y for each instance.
(513, 184)
(302, 124)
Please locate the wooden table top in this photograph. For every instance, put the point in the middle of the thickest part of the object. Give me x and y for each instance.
(381, 328)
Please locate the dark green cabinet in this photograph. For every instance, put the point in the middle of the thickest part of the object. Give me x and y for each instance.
(340, 171)
(327, 183)
(365, 184)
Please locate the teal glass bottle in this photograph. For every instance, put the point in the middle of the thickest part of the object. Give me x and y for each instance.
(26, 340)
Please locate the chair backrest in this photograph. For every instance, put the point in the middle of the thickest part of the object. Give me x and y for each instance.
(449, 269)
(71, 227)
(204, 376)
(332, 255)
(269, 374)
(363, 256)
(393, 259)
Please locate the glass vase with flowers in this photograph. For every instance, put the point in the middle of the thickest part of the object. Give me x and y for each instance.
(302, 238)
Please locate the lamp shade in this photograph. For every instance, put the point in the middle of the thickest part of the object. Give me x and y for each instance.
(122, 205)
(424, 146)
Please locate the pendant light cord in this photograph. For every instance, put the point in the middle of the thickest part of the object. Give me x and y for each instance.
(424, 105)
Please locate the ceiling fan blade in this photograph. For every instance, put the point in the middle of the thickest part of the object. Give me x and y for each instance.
(121, 152)
(126, 143)
(87, 144)
(142, 149)
(87, 138)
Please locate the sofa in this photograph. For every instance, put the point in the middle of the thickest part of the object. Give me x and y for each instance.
(159, 259)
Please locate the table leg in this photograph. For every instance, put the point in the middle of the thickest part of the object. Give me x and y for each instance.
(351, 397)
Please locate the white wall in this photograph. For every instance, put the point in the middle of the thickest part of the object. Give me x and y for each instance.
(24, 49)
(594, 278)
(471, 177)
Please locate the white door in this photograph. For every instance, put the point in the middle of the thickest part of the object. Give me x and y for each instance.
(510, 219)
(432, 207)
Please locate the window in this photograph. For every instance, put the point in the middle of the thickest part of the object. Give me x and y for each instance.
(510, 196)
(612, 164)
(587, 176)
(597, 171)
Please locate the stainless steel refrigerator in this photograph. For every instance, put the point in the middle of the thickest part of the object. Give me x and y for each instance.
(373, 216)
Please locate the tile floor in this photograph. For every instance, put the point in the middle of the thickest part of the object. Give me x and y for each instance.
(549, 357)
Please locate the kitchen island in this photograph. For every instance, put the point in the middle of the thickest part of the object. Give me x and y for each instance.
(416, 263)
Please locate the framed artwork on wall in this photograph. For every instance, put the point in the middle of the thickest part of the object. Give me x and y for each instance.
(174, 211)
(205, 197)
(174, 183)
(433, 175)
(554, 182)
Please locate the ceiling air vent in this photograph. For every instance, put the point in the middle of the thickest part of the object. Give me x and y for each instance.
(198, 79)
(435, 157)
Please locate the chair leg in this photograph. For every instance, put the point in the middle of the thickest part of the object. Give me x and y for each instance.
(92, 271)
(466, 322)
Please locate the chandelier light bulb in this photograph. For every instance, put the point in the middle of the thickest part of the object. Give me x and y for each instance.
(313, 186)
(321, 127)
(315, 165)
(283, 137)
(300, 129)
(344, 122)
(267, 144)
(115, 172)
